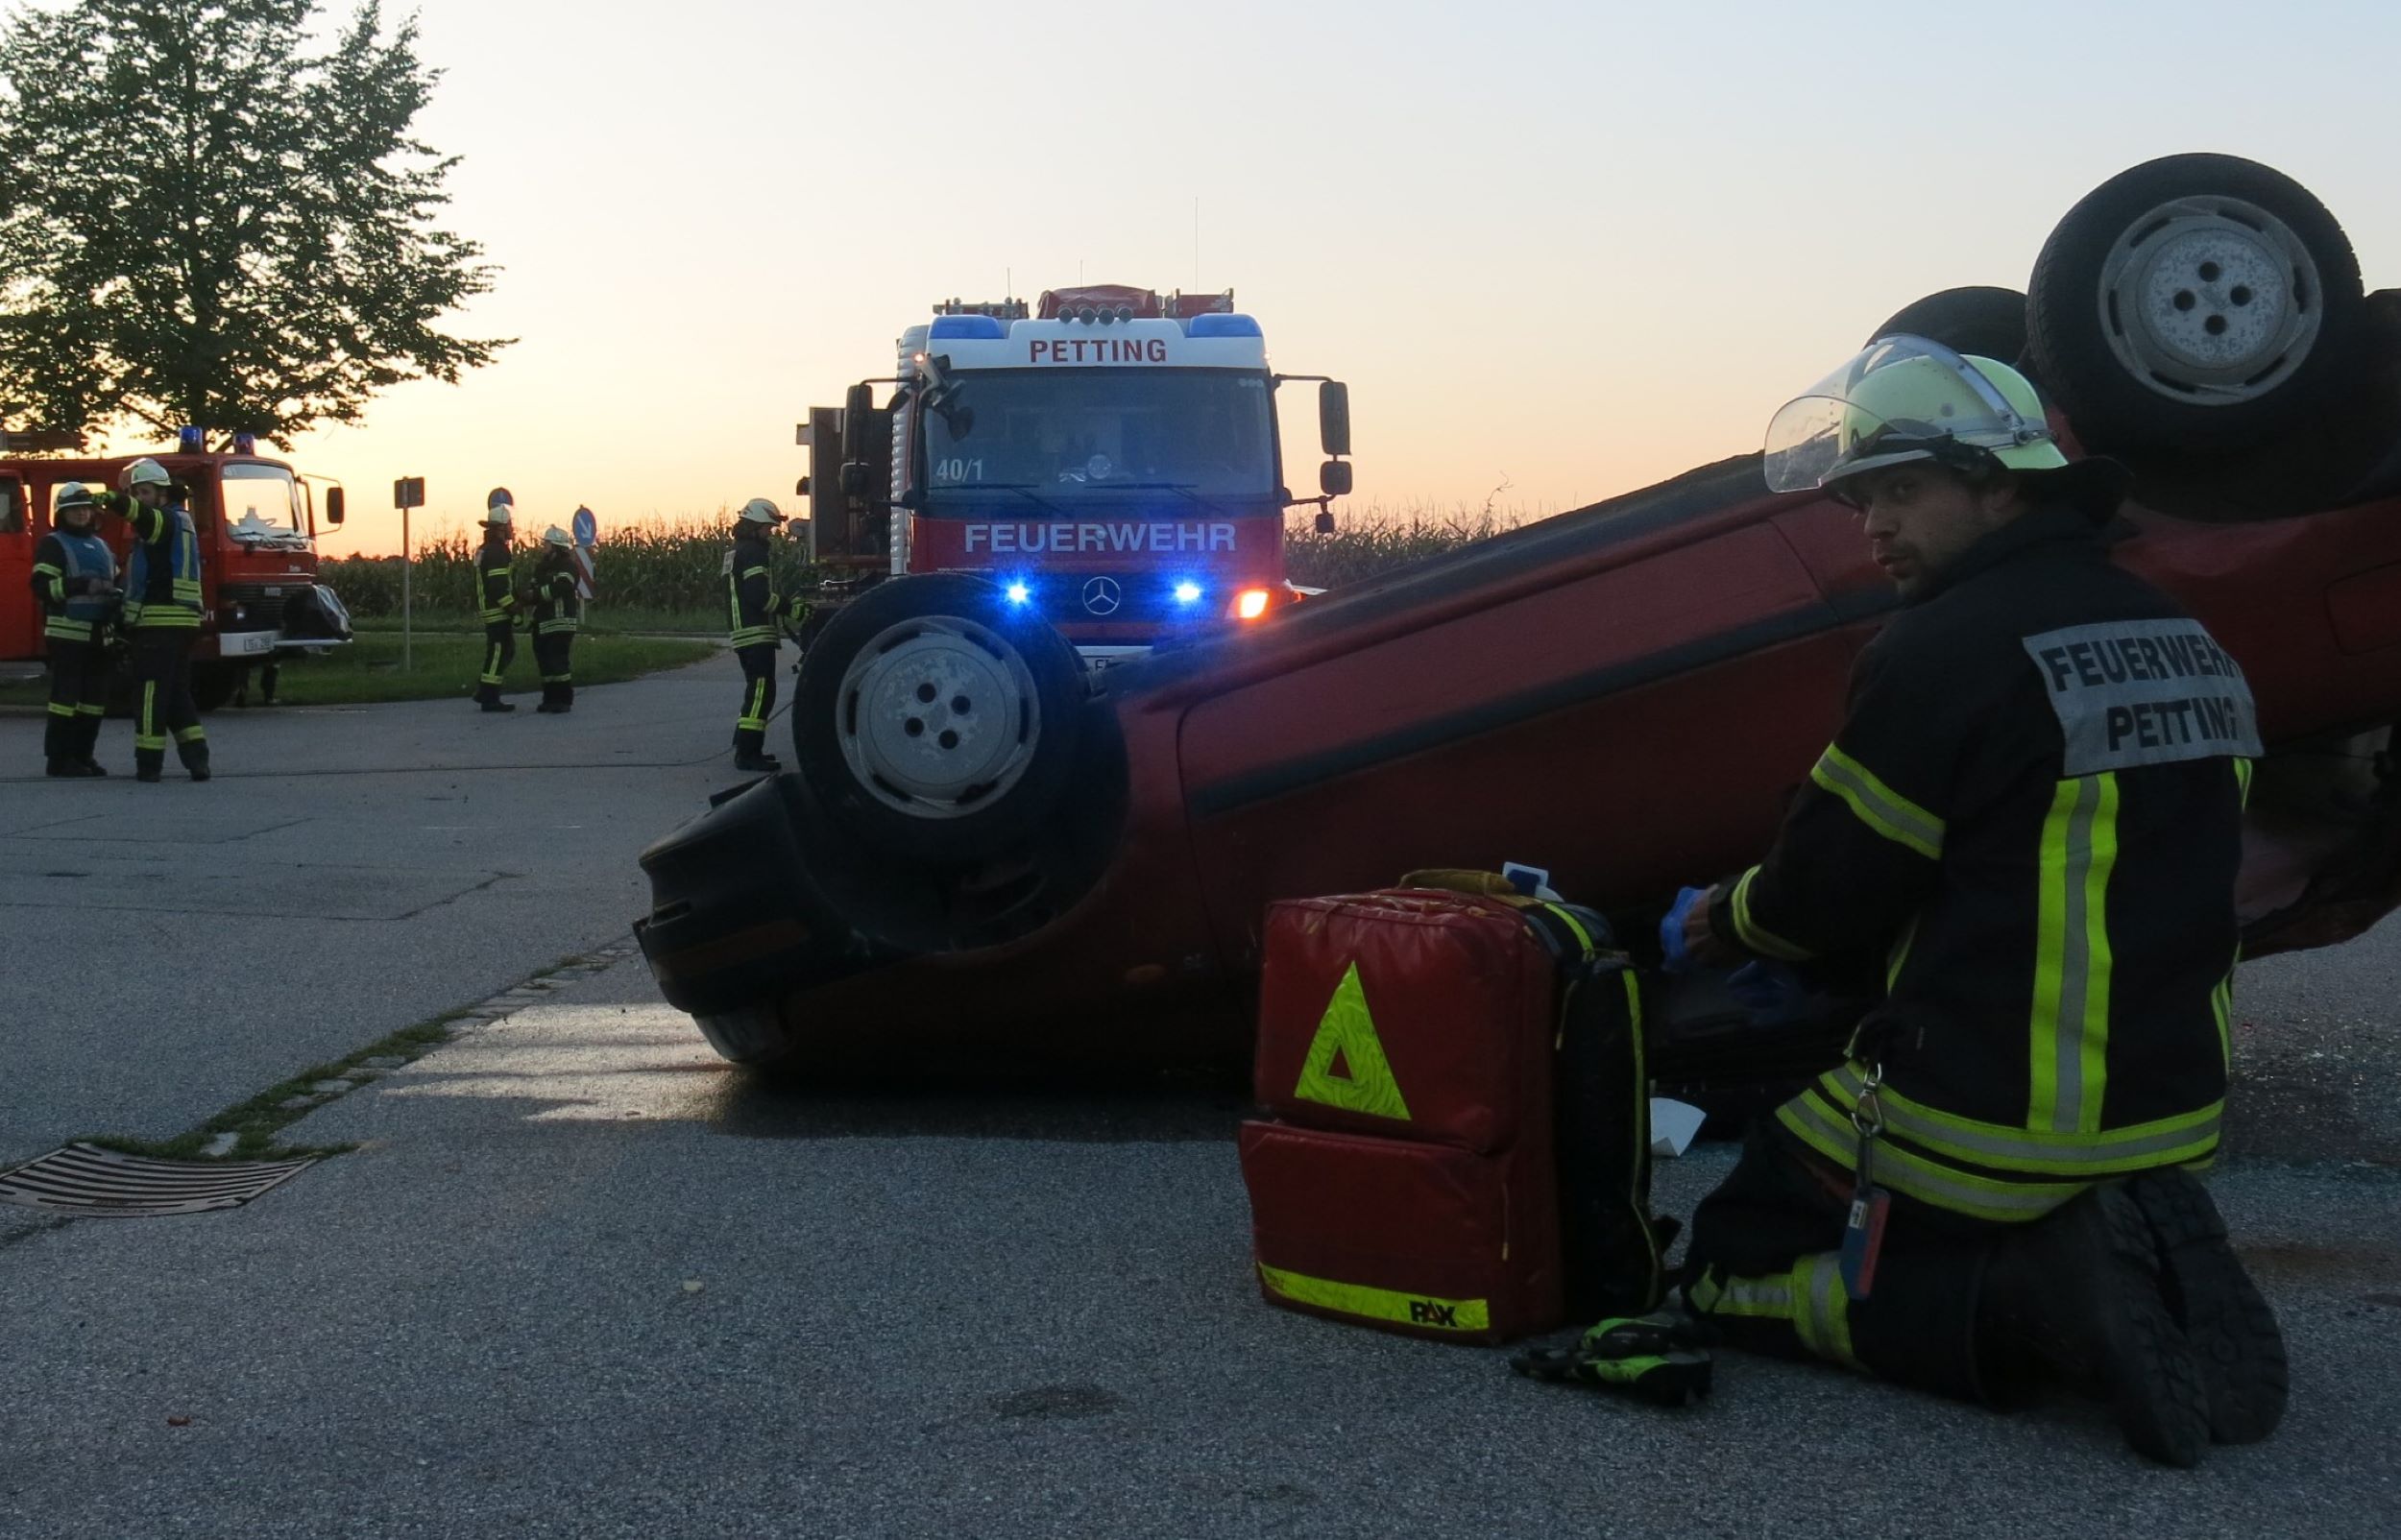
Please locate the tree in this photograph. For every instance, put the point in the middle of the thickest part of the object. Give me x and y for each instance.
(203, 222)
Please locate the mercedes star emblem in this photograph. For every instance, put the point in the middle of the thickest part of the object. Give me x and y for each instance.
(1102, 596)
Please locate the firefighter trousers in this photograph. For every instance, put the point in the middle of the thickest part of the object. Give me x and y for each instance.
(553, 657)
(750, 729)
(499, 650)
(163, 699)
(78, 692)
(1764, 1266)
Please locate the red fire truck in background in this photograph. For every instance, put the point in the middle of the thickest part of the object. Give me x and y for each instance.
(258, 521)
(1111, 460)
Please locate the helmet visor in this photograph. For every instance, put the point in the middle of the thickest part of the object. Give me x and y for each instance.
(1901, 399)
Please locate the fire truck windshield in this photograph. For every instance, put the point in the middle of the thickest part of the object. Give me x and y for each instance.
(1068, 434)
(261, 500)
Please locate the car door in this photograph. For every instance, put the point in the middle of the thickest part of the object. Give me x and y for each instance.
(1630, 716)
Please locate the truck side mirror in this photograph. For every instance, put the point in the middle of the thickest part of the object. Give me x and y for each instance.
(857, 405)
(1334, 418)
(1334, 478)
(800, 488)
(333, 506)
(1325, 521)
(854, 474)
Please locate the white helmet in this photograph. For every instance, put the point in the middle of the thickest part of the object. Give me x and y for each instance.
(146, 473)
(555, 535)
(760, 511)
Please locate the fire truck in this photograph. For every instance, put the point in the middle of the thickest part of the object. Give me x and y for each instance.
(258, 521)
(1111, 459)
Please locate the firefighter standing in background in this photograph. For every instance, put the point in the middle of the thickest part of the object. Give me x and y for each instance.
(557, 610)
(2031, 820)
(754, 609)
(75, 582)
(496, 595)
(162, 613)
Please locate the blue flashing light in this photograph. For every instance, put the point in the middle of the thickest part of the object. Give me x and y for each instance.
(1187, 593)
(1018, 592)
(246, 444)
(1222, 325)
(967, 328)
(189, 440)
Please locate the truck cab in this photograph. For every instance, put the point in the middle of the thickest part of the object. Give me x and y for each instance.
(1111, 460)
(257, 522)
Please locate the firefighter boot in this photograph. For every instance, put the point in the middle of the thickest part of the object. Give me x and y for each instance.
(750, 753)
(2233, 1332)
(148, 764)
(87, 739)
(195, 756)
(56, 761)
(2078, 1292)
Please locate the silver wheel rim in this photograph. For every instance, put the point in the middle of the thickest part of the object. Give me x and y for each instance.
(938, 716)
(2209, 300)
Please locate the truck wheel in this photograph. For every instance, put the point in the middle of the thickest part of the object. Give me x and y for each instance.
(213, 684)
(1980, 319)
(935, 721)
(2196, 301)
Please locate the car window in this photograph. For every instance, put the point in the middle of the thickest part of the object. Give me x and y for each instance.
(11, 506)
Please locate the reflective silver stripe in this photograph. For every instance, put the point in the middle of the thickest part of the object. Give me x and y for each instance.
(2140, 1148)
(2069, 1066)
(1823, 1317)
(1763, 1298)
(1912, 1175)
(1881, 808)
(1756, 936)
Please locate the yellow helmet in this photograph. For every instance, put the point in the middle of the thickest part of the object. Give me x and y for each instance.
(1907, 399)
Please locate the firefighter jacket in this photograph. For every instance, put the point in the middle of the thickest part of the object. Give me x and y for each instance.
(558, 607)
(2033, 814)
(66, 564)
(495, 593)
(163, 580)
(752, 606)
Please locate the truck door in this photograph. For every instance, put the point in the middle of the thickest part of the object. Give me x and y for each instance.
(20, 618)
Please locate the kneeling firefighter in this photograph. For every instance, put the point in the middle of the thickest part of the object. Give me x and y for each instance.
(754, 609)
(2032, 819)
(162, 613)
(558, 609)
(75, 581)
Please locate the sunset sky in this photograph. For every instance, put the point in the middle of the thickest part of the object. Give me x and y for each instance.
(1573, 246)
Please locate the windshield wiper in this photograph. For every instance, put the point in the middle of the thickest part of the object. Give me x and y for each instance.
(1022, 489)
(1182, 489)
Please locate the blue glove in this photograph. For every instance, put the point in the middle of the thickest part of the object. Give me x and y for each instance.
(1676, 960)
(1771, 993)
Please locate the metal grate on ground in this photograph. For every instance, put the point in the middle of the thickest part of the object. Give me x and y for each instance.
(87, 1181)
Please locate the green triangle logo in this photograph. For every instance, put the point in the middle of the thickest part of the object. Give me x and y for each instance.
(1345, 1067)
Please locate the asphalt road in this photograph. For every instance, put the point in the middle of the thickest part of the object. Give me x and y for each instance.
(583, 1278)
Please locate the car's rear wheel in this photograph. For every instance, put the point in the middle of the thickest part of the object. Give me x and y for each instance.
(1980, 319)
(935, 720)
(2197, 302)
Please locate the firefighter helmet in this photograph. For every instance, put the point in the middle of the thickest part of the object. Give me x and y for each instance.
(74, 499)
(760, 511)
(555, 535)
(146, 473)
(1906, 399)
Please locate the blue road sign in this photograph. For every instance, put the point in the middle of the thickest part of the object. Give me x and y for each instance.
(587, 527)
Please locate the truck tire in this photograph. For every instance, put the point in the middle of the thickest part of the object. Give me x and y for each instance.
(1980, 319)
(2199, 301)
(213, 684)
(937, 721)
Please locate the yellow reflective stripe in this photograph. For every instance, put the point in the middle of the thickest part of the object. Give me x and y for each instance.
(751, 572)
(91, 708)
(1821, 1314)
(65, 630)
(45, 566)
(1879, 807)
(1767, 1299)
(1377, 1304)
(1899, 957)
(2243, 782)
(60, 709)
(2069, 1047)
(1903, 1172)
(163, 620)
(1584, 937)
(2137, 1147)
(1756, 936)
(192, 734)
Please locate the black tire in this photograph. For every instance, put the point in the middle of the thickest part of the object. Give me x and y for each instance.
(213, 683)
(944, 621)
(1980, 319)
(2197, 302)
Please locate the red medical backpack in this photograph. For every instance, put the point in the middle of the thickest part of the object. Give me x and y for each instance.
(1460, 1139)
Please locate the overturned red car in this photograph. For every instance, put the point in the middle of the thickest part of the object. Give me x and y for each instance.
(982, 853)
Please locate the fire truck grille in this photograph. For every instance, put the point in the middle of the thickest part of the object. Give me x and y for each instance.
(261, 610)
(1122, 599)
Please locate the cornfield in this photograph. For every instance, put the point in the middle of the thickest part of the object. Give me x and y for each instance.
(677, 567)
